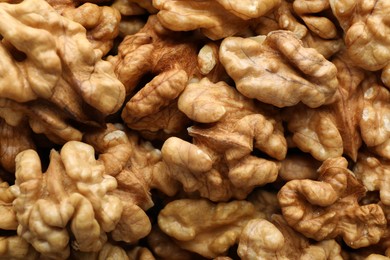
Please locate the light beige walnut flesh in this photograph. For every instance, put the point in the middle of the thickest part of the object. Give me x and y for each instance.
(298, 166)
(140, 253)
(375, 118)
(374, 172)
(284, 17)
(366, 26)
(7, 213)
(171, 58)
(332, 130)
(108, 251)
(218, 164)
(203, 227)
(329, 207)
(48, 56)
(16, 248)
(113, 146)
(144, 171)
(320, 25)
(70, 205)
(274, 239)
(265, 201)
(216, 19)
(279, 70)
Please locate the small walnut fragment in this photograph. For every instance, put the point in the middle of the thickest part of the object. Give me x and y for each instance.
(12, 141)
(366, 27)
(279, 70)
(15, 247)
(216, 19)
(48, 57)
(331, 130)
(7, 213)
(374, 172)
(308, 11)
(329, 208)
(171, 59)
(298, 166)
(375, 118)
(73, 192)
(285, 17)
(218, 164)
(164, 246)
(204, 227)
(274, 239)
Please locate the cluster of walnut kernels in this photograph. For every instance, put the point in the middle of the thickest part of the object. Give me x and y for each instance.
(194, 129)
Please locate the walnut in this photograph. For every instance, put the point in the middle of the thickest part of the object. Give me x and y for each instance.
(332, 130)
(164, 246)
(108, 251)
(15, 247)
(12, 141)
(320, 25)
(74, 191)
(262, 239)
(375, 118)
(158, 51)
(218, 163)
(204, 227)
(321, 37)
(223, 18)
(329, 208)
(279, 70)
(373, 173)
(54, 62)
(299, 166)
(8, 216)
(361, 22)
(140, 253)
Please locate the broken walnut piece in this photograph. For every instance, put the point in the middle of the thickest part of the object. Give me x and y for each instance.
(13, 139)
(164, 246)
(375, 118)
(8, 216)
(203, 227)
(284, 17)
(374, 173)
(320, 25)
(74, 192)
(328, 208)
(366, 27)
(274, 239)
(57, 63)
(331, 130)
(15, 247)
(171, 60)
(223, 18)
(279, 70)
(298, 166)
(218, 163)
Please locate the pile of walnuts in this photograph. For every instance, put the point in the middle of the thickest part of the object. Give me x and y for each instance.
(194, 129)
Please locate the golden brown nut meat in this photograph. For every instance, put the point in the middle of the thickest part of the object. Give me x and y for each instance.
(203, 227)
(285, 18)
(16, 248)
(333, 130)
(329, 208)
(262, 239)
(168, 55)
(366, 27)
(74, 192)
(49, 57)
(216, 19)
(375, 118)
(374, 173)
(279, 70)
(8, 217)
(297, 166)
(218, 164)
